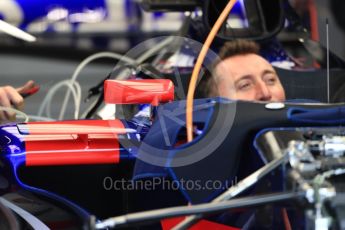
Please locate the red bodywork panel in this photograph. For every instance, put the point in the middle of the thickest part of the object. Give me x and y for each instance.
(168, 224)
(72, 142)
(148, 91)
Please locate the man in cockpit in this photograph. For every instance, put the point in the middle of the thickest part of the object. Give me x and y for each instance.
(242, 74)
(11, 97)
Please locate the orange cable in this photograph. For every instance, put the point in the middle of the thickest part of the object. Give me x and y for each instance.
(314, 28)
(286, 219)
(313, 21)
(198, 64)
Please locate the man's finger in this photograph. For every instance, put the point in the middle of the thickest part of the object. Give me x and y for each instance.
(14, 97)
(2, 116)
(5, 102)
(28, 85)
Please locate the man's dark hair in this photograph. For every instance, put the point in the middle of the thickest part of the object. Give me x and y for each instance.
(229, 49)
(238, 47)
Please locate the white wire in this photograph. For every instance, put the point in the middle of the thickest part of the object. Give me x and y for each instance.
(76, 92)
(75, 88)
(83, 64)
(122, 75)
(86, 61)
(8, 109)
(71, 87)
(48, 100)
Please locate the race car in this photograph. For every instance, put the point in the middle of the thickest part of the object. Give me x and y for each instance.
(73, 174)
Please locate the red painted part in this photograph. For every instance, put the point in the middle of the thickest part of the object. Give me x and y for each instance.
(73, 127)
(83, 142)
(201, 225)
(150, 91)
(31, 91)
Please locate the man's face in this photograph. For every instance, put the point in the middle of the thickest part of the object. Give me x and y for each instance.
(248, 77)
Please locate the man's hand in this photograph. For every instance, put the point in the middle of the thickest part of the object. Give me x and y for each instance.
(10, 96)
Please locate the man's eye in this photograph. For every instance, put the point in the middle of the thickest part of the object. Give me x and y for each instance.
(270, 80)
(244, 86)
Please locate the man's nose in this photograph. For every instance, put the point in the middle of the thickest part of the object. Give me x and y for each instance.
(263, 93)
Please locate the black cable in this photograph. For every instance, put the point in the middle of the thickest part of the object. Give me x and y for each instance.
(176, 44)
(98, 89)
(95, 107)
(226, 24)
(154, 215)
